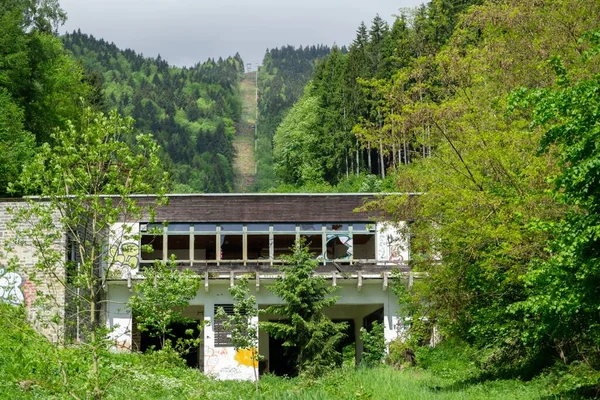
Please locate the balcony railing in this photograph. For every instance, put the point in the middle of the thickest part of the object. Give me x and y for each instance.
(272, 266)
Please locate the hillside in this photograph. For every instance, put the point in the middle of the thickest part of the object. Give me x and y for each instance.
(244, 161)
(191, 112)
(281, 80)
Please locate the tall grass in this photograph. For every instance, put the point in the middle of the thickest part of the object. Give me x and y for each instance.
(30, 368)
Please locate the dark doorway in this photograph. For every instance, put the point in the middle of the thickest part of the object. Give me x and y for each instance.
(282, 360)
(374, 316)
(178, 330)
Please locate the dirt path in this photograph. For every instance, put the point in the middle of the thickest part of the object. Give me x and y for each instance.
(244, 162)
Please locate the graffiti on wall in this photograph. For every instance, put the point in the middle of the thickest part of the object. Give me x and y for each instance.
(226, 363)
(246, 357)
(391, 244)
(125, 257)
(10, 287)
(334, 242)
(212, 357)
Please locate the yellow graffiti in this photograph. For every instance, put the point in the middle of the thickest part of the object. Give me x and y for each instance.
(245, 357)
(124, 257)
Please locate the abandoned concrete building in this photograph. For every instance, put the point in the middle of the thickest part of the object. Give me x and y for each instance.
(222, 237)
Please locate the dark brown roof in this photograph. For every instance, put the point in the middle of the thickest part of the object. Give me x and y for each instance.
(265, 208)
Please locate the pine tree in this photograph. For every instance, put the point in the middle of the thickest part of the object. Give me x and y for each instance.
(307, 331)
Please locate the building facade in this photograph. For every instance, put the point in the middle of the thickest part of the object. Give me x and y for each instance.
(224, 237)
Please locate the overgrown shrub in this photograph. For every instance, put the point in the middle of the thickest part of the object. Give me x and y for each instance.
(373, 345)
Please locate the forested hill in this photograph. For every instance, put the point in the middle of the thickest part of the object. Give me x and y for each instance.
(491, 110)
(348, 121)
(281, 80)
(190, 111)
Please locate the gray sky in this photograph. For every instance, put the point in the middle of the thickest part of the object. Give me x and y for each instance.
(185, 32)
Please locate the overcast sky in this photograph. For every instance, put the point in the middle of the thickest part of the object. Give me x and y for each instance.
(185, 32)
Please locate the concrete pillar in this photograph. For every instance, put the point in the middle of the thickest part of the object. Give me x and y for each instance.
(118, 317)
(391, 322)
(210, 361)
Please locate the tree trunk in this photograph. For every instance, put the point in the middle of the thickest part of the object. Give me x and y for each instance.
(347, 170)
(381, 161)
(369, 157)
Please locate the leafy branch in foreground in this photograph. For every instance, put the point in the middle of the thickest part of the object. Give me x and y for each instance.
(159, 298)
(241, 324)
(85, 182)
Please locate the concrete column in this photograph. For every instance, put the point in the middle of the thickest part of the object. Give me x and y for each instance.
(118, 317)
(209, 338)
(254, 322)
(263, 343)
(391, 322)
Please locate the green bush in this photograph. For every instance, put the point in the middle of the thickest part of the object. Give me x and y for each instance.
(373, 345)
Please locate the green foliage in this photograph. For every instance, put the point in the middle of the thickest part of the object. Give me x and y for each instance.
(307, 333)
(504, 253)
(373, 345)
(16, 144)
(561, 304)
(244, 331)
(160, 297)
(41, 87)
(452, 359)
(73, 175)
(190, 112)
(281, 80)
(296, 140)
(29, 369)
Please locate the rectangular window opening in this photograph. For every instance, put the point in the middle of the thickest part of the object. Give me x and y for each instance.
(205, 247)
(232, 247)
(222, 335)
(283, 245)
(156, 244)
(179, 246)
(364, 247)
(258, 247)
(314, 243)
(339, 247)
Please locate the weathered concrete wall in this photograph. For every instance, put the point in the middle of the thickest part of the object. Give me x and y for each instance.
(123, 252)
(39, 290)
(225, 362)
(391, 245)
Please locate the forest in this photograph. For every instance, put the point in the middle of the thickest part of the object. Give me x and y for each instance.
(488, 110)
(281, 80)
(191, 112)
(46, 80)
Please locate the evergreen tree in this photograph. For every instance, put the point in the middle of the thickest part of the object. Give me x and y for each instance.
(308, 334)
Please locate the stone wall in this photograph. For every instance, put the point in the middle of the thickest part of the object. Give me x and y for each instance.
(22, 281)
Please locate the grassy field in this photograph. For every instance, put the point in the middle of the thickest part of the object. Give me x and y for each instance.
(32, 368)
